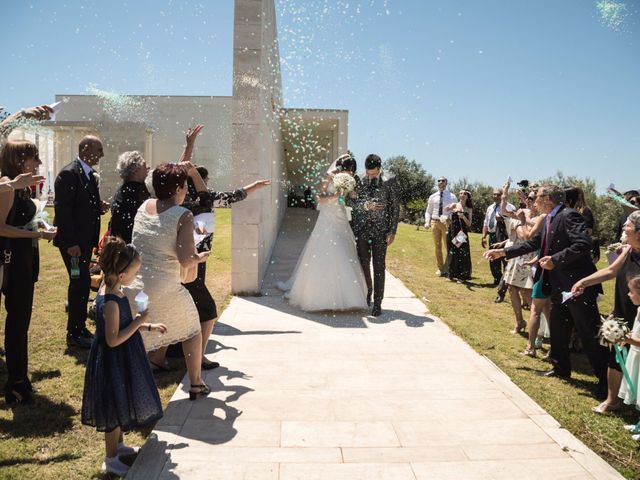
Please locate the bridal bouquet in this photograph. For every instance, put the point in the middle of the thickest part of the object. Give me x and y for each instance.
(343, 183)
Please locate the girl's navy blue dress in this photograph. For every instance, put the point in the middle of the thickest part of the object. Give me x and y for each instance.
(119, 388)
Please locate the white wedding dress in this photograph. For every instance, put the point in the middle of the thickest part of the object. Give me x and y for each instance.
(328, 275)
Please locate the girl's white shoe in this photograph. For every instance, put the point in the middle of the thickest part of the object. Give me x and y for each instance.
(115, 466)
(126, 450)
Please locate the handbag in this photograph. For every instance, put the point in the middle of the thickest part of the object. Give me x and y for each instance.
(5, 253)
(459, 239)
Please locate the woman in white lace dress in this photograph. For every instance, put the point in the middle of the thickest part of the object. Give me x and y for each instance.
(163, 233)
(328, 275)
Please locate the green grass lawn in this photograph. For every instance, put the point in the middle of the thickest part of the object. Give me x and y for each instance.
(48, 440)
(471, 313)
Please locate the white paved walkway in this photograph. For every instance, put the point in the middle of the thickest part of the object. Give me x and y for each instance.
(309, 397)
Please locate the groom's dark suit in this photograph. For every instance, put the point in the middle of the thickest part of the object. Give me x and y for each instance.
(565, 239)
(77, 216)
(371, 228)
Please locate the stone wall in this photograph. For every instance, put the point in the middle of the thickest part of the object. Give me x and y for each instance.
(155, 125)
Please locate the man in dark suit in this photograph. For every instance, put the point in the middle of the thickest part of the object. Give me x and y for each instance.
(565, 258)
(77, 215)
(375, 216)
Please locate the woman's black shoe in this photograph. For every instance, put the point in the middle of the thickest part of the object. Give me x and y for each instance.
(18, 394)
(210, 365)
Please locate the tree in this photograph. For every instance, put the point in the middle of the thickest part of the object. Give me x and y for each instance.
(414, 183)
(480, 196)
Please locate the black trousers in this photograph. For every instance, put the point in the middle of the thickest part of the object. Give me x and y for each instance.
(583, 314)
(373, 246)
(496, 266)
(78, 292)
(18, 302)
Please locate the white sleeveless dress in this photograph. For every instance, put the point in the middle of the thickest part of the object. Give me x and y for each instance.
(155, 237)
(328, 275)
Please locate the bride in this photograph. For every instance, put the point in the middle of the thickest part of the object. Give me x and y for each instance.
(328, 275)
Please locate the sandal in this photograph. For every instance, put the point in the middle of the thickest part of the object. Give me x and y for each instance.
(605, 407)
(201, 390)
(520, 328)
(529, 352)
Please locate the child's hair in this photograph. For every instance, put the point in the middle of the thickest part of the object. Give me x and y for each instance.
(634, 282)
(115, 258)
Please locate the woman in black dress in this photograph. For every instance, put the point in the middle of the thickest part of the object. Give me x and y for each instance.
(458, 251)
(19, 239)
(204, 201)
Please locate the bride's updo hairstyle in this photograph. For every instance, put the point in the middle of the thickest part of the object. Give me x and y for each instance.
(347, 164)
(167, 178)
(115, 258)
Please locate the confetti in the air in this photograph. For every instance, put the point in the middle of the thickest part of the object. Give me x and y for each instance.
(612, 14)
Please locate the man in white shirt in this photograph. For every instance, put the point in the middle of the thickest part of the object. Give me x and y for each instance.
(436, 216)
(495, 228)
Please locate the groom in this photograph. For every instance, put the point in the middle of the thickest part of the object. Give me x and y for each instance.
(376, 211)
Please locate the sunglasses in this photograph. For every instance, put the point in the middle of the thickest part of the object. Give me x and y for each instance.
(441, 181)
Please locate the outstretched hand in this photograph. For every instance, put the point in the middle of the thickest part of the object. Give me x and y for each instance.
(193, 132)
(547, 263)
(42, 112)
(26, 180)
(493, 254)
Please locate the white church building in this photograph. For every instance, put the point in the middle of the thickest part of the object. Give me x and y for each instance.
(249, 136)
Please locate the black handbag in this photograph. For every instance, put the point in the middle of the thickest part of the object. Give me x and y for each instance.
(5, 254)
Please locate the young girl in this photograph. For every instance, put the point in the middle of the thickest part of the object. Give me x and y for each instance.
(119, 390)
(633, 359)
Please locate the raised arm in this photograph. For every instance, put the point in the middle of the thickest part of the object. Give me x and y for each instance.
(192, 134)
(504, 211)
(601, 275)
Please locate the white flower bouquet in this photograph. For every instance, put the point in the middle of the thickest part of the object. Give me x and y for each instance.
(343, 183)
(612, 331)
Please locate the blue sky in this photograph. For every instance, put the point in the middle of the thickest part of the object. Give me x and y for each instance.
(471, 88)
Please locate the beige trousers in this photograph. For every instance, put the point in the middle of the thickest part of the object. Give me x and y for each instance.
(439, 231)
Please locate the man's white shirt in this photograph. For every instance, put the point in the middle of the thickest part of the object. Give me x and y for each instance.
(85, 168)
(490, 212)
(433, 205)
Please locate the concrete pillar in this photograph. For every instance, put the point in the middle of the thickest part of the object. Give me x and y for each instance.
(256, 142)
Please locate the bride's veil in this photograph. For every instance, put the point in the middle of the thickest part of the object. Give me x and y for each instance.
(334, 165)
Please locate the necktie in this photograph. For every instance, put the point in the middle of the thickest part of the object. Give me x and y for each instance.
(492, 218)
(440, 204)
(544, 248)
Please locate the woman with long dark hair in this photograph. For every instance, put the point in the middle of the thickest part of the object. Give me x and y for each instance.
(458, 249)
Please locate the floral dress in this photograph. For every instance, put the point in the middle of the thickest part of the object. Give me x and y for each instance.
(516, 273)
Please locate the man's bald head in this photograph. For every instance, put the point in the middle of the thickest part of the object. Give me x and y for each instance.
(90, 150)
